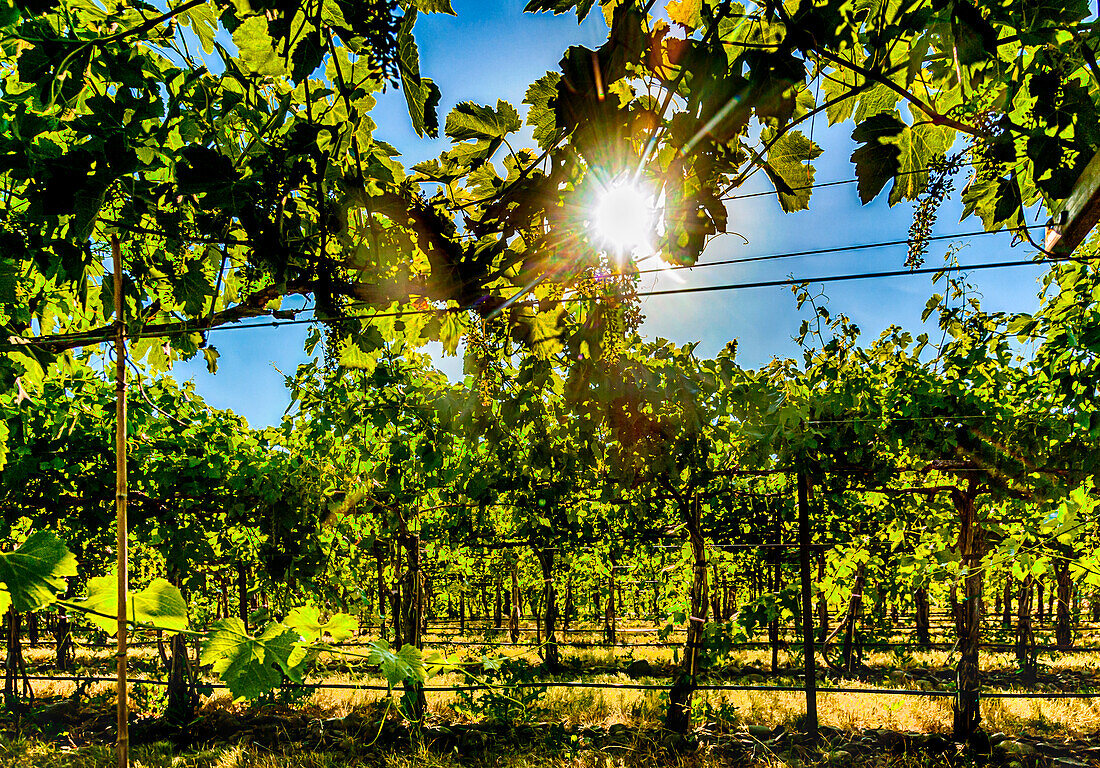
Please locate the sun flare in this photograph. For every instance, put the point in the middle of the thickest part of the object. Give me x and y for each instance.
(623, 217)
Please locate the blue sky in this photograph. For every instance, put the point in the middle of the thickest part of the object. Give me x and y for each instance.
(491, 51)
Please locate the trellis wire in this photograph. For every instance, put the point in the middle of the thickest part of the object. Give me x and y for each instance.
(619, 686)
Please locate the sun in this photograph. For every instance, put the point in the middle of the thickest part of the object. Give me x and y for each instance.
(623, 216)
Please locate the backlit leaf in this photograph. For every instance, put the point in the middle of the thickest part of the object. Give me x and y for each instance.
(159, 605)
(877, 160)
(789, 169)
(917, 148)
(250, 666)
(34, 574)
(541, 117)
(475, 121)
(257, 49)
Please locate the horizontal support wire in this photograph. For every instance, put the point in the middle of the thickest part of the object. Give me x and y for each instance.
(620, 686)
(599, 642)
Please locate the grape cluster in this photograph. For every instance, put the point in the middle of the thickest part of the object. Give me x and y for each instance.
(631, 304)
(616, 313)
(587, 286)
(335, 329)
(613, 339)
(479, 346)
(554, 293)
(994, 149)
(941, 172)
(335, 335)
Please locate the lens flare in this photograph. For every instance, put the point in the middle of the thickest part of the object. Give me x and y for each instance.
(623, 216)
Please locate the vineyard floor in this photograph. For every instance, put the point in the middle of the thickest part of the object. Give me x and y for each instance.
(549, 745)
(569, 726)
(627, 755)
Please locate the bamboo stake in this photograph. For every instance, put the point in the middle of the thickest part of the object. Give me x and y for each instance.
(120, 507)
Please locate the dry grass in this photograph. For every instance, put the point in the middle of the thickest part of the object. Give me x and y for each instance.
(582, 707)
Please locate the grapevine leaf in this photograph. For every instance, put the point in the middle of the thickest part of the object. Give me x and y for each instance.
(352, 355)
(203, 21)
(686, 13)
(160, 604)
(203, 170)
(9, 13)
(554, 6)
(256, 47)
(995, 199)
(469, 155)
(835, 89)
(35, 572)
(306, 621)
(400, 666)
(561, 6)
(341, 627)
(973, 34)
(917, 148)
(434, 6)
(541, 332)
(421, 94)
(9, 274)
(541, 95)
(475, 121)
(876, 160)
(250, 666)
(789, 169)
(210, 354)
(450, 333)
(876, 101)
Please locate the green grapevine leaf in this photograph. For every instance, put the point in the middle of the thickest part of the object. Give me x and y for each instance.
(400, 666)
(876, 101)
(788, 168)
(203, 23)
(835, 90)
(542, 332)
(35, 573)
(561, 6)
(917, 148)
(160, 604)
(541, 96)
(876, 160)
(9, 274)
(210, 354)
(421, 94)
(996, 199)
(433, 6)
(686, 13)
(306, 621)
(250, 666)
(256, 47)
(475, 121)
(9, 13)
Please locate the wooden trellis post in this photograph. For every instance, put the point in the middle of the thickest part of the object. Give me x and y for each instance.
(382, 631)
(514, 613)
(120, 507)
(242, 595)
(411, 615)
(610, 615)
(1080, 212)
(809, 660)
(776, 575)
